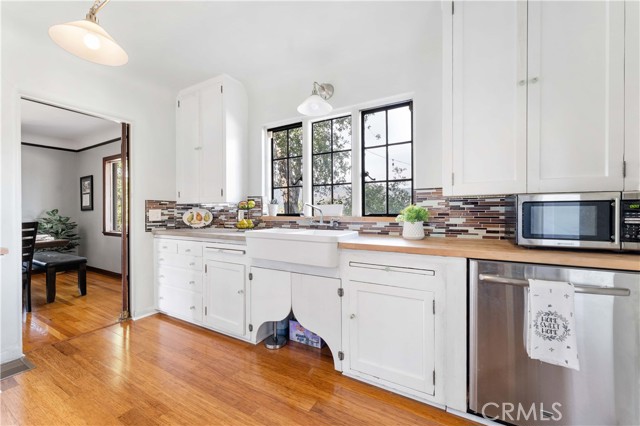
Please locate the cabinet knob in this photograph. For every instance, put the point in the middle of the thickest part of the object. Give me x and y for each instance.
(164, 247)
(387, 269)
(192, 282)
(522, 82)
(352, 316)
(187, 251)
(161, 259)
(240, 291)
(193, 308)
(534, 80)
(161, 276)
(198, 148)
(192, 264)
(160, 298)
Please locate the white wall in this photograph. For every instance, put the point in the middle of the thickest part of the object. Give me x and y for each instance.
(101, 251)
(416, 68)
(49, 181)
(32, 65)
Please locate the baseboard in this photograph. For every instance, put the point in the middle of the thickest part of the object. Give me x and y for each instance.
(104, 272)
(11, 353)
(144, 313)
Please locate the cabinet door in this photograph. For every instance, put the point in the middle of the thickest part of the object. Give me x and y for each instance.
(486, 152)
(392, 334)
(270, 296)
(318, 307)
(225, 297)
(576, 96)
(212, 166)
(187, 152)
(180, 303)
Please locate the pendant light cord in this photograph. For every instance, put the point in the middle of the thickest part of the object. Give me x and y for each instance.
(97, 6)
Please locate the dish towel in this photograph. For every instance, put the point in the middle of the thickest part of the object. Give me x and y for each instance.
(551, 323)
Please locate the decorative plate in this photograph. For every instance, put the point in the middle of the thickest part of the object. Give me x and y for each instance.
(197, 218)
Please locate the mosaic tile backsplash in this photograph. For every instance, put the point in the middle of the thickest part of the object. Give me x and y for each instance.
(451, 217)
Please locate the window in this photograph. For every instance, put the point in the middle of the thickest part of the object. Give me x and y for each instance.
(331, 165)
(387, 159)
(286, 168)
(112, 195)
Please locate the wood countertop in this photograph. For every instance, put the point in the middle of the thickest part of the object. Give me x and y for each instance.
(495, 250)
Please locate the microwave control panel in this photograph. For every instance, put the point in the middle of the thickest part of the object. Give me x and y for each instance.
(630, 231)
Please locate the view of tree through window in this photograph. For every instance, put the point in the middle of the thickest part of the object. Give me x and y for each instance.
(387, 148)
(112, 174)
(286, 155)
(331, 165)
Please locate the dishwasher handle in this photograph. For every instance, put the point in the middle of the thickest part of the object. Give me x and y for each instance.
(585, 289)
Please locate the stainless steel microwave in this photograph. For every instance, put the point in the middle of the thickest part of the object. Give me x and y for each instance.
(596, 220)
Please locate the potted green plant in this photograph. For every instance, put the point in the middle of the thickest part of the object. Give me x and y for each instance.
(412, 218)
(60, 228)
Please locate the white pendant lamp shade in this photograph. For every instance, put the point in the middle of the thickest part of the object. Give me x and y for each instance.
(314, 105)
(89, 41)
(317, 104)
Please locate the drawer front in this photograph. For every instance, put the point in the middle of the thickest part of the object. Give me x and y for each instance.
(180, 261)
(167, 246)
(180, 303)
(190, 248)
(175, 277)
(393, 275)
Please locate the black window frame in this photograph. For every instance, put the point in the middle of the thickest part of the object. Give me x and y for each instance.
(364, 174)
(299, 184)
(331, 151)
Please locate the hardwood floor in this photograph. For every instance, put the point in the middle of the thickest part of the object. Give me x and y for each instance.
(71, 314)
(159, 370)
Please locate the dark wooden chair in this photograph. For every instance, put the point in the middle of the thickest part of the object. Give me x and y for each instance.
(29, 231)
(53, 262)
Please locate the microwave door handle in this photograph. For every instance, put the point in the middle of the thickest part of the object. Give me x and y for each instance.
(584, 289)
(616, 221)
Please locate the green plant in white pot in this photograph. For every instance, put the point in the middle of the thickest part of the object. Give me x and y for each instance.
(413, 218)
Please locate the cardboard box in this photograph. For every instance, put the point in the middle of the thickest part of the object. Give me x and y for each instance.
(298, 333)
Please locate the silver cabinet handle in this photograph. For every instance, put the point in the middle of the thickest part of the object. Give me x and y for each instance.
(164, 247)
(160, 298)
(198, 148)
(193, 308)
(192, 264)
(352, 316)
(192, 282)
(161, 259)
(522, 82)
(534, 80)
(161, 276)
(240, 291)
(187, 250)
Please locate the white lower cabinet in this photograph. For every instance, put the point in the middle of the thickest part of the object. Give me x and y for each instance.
(184, 304)
(404, 324)
(270, 300)
(392, 334)
(225, 296)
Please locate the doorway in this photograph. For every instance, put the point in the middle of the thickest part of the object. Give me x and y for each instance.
(75, 185)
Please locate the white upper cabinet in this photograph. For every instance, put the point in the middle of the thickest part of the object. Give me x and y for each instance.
(534, 96)
(485, 147)
(576, 96)
(632, 96)
(211, 142)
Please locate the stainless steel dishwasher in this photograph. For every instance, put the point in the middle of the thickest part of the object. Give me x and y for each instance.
(505, 384)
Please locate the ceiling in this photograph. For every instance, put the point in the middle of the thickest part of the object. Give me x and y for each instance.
(178, 43)
(50, 126)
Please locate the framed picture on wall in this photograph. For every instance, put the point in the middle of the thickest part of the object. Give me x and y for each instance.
(86, 193)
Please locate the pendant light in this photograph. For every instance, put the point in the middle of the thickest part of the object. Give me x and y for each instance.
(88, 40)
(317, 104)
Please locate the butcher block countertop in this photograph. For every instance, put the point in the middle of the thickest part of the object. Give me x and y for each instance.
(495, 250)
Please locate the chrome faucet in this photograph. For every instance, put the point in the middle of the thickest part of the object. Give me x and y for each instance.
(312, 209)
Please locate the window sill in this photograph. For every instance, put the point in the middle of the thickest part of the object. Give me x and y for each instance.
(340, 218)
(112, 234)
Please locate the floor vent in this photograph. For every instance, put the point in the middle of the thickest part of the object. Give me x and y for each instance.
(11, 368)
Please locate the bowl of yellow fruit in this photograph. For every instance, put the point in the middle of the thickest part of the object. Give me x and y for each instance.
(245, 224)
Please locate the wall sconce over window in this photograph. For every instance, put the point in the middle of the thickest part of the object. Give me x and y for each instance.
(317, 104)
(88, 40)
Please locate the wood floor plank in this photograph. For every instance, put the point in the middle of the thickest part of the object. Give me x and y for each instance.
(162, 371)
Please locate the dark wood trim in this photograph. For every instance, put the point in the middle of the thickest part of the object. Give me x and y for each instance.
(124, 153)
(72, 150)
(110, 234)
(48, 147)
(99, 144)
(104, 272)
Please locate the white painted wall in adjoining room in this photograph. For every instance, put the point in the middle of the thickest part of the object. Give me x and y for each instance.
(49, 181)
(410, 62)
(101, 251)
(34, 66)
